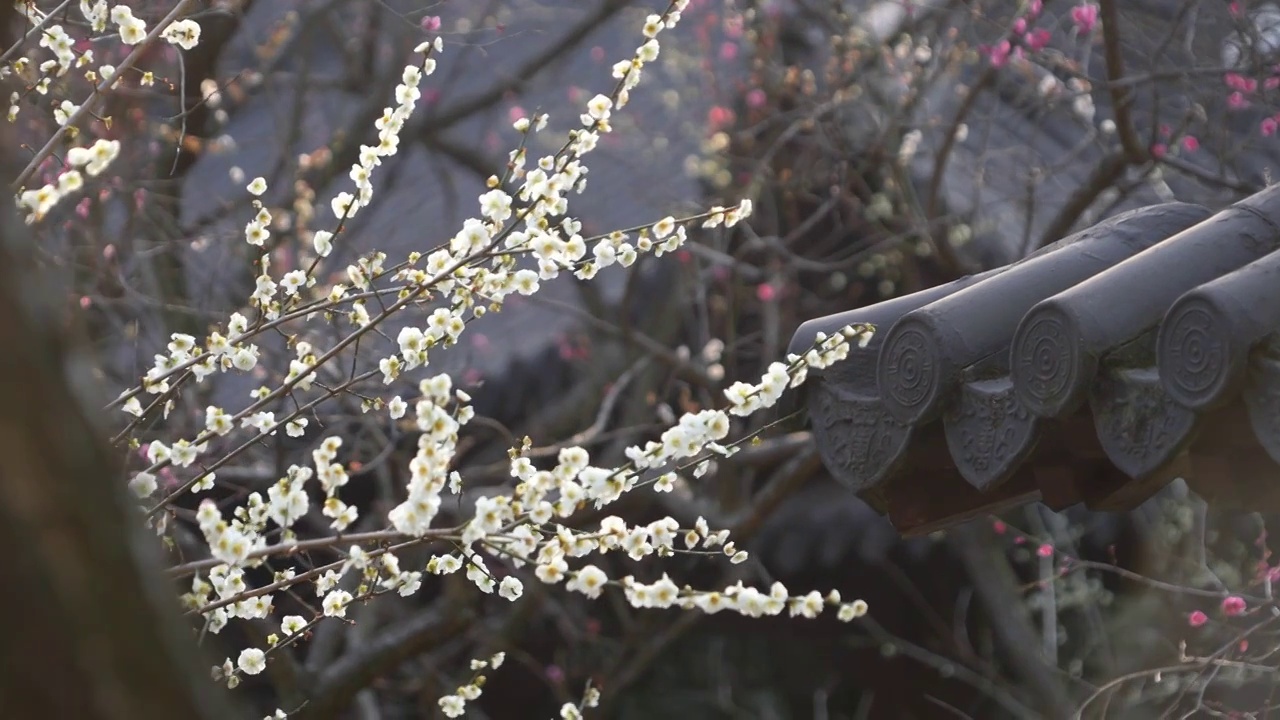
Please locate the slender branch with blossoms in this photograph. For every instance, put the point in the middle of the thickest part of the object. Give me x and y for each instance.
(95, 159)
(522, 238)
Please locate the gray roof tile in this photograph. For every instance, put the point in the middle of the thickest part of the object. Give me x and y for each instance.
(1095, 370)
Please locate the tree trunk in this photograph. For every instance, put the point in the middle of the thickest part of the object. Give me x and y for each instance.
(91, 630)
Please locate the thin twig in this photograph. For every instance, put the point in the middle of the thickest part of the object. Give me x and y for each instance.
(995, 585)
(879, 635)
(1153, 583)
(382, 653)
(950, 137)
(305, 545)
(575, 35)
(1120, 96)
(687, 370)
(90, 104)
(1104, 175)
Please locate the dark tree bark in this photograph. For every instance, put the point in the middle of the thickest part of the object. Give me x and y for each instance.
(90, 629)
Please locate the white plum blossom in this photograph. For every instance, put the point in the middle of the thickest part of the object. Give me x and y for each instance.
(292, 624)
(589, 581)
(510, 588)
(132, 30)
(345, 205)
(495, 205)
(183, 33)
(322, 241)
(95, 158)
(251, 661)
(143, 484)
(852, 611)
(397, 407)
(453, 706)
(292, 281)
(296, 427)
(335, 603)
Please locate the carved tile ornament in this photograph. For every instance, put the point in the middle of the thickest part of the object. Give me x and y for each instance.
(1140, 427)
(989, 432)
(860, 441)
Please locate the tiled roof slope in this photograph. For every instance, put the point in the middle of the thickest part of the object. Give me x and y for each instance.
(1098, 369)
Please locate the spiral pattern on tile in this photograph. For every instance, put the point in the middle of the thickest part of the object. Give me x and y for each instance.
(1045, 362)
(1194, 353)
(909, 372)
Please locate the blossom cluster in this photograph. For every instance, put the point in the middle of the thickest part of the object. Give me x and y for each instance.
(1021, 37)
(1241, 91)
(40, 77)
(455, 704)
(429, 469)
(1232, 606)
(746, 398)
(344, 205)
